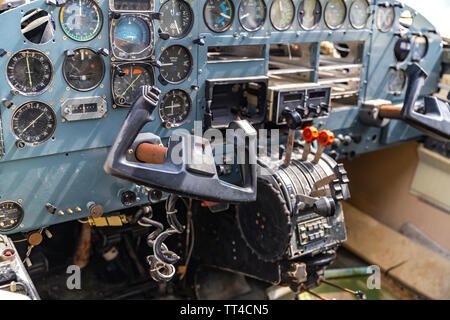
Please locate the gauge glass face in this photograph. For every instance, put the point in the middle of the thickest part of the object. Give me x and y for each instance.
(385, 18)
(252, 14)
(30, 72)
(177, 18)
(11, 215)
(34, 123)
(218, 14)
(282, 13)
(359, 13)
(81, 20)
(127, 82)
(335, 12)
(132, 38)
(397, 80)
(175, 107)
(84, 70)
(38, 26)
(420, 48)
(176, 64)
(131, 5)
(402, 49)
(309, 14)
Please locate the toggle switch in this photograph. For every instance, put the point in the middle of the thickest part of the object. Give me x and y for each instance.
(7, 103)
(199, 41)
(103, 52)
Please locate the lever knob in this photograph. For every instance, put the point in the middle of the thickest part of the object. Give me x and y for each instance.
(326, 137)
(163, 35)
(310, 134)
(293, 118)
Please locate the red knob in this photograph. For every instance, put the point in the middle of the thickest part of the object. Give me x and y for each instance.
(310, 134)
(326, 137)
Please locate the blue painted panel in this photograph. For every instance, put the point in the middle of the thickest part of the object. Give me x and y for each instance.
(67, 171)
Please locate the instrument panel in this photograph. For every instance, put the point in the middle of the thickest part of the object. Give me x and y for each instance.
(70, 73)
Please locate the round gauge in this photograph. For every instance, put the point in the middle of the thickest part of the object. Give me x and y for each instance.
(397, 80)
(81, 20)
(176, 64)
(402, 49)
(252, 14)
(385, 18)
(218, 14)
(175, 107)
(177, 18)
(309, 14)
(128, 81)
(335, 12)
(132, 37)
(359, 13)
(30, 72)
(37, 26)
(11, 215)
(420, 48)
(282, 13)
(84, 70)
(34, 123)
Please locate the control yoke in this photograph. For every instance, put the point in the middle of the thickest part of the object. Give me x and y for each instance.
(187, 167)
(434, 119)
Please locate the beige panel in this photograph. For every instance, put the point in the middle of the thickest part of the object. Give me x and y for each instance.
(432, 178)
(380, 185)
(412, 264)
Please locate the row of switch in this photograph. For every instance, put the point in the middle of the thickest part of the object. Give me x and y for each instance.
(313, 230)
(312, 111)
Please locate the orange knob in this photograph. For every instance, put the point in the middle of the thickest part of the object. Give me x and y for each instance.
(310, 134)
(326, 137)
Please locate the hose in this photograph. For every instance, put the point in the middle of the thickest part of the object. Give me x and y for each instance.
(175, 227)
(162, 260)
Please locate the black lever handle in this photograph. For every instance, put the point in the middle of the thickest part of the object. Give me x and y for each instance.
(435, 118)
(181, 175)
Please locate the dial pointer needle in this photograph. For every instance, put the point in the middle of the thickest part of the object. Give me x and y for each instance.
(33, 122)
(29, 72)
(130, 85)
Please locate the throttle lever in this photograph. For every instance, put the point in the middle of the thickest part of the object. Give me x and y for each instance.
(188, 167)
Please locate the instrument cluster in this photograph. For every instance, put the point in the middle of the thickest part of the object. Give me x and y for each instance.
(219, 15)
(134, 58)
(132, 48)
(71, 69)
(134, 28)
